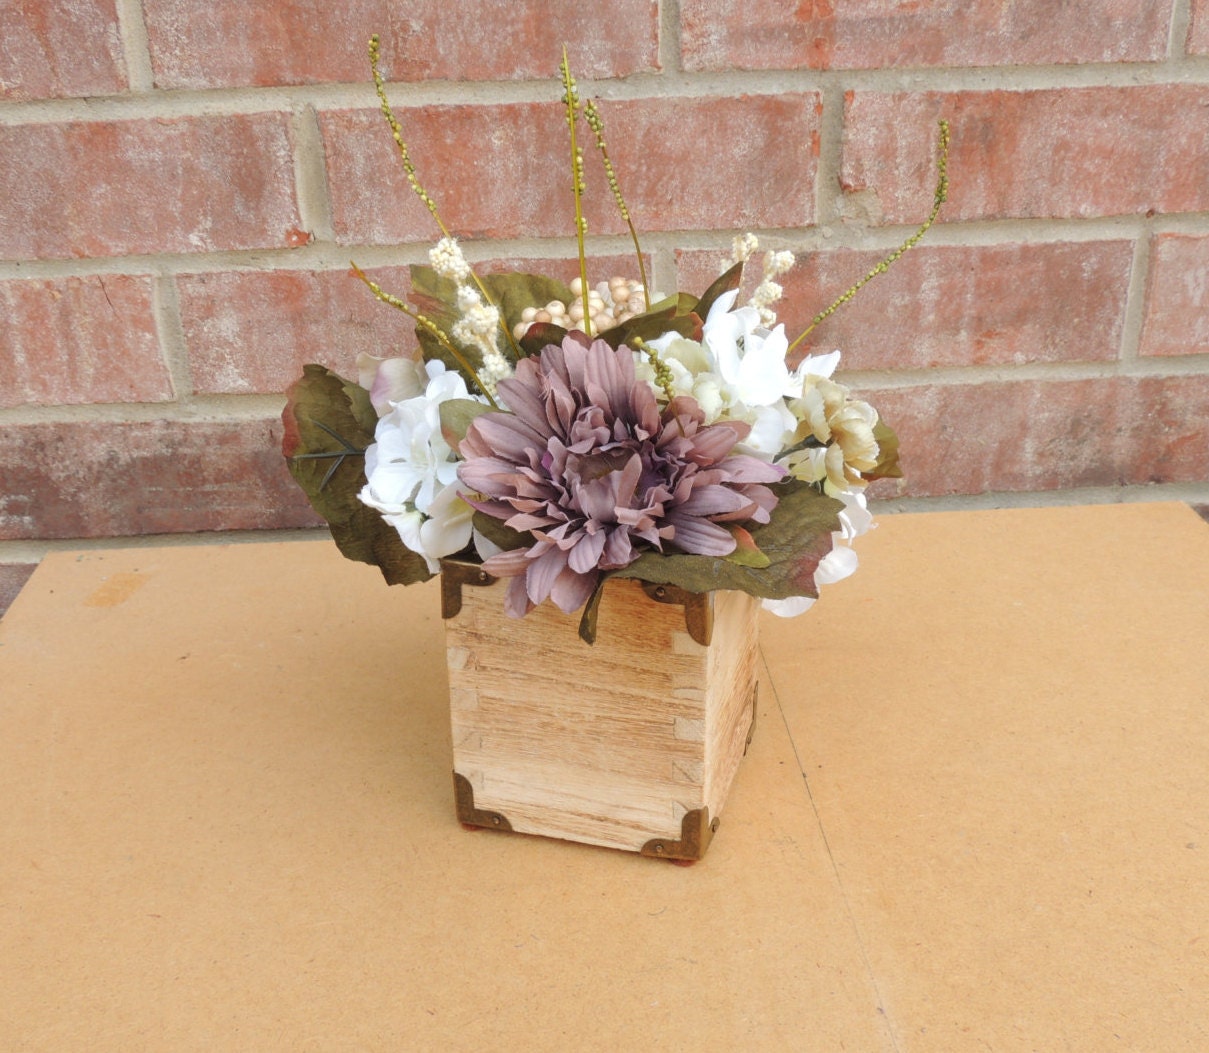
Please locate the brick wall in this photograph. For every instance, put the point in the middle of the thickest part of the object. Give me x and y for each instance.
(183, 182)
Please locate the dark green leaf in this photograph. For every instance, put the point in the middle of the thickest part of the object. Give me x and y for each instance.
(587, 621)
(540, 335)
(796, 538)
(728, 281)
(329, 422)
(513, 292)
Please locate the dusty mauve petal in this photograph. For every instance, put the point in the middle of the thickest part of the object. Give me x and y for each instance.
(590, 469)
(543, 572)
(516, 600)
(711, 501)
(585, 556)
(701, 537)
(507, 564)
(501, 435)
(571, 590)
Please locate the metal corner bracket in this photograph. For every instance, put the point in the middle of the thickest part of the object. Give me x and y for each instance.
(698, 608)
(696, 832)
(463, 796)
(454, 574)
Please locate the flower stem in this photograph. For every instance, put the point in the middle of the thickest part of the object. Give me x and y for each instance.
(571, 98)
(396, 131)
(596, 123)
(942, 192)
(431, 326)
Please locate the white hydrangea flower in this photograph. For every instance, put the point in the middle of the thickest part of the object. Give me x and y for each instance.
(411, 471)
(737, 372)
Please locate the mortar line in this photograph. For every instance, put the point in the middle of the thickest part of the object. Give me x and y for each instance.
(136, 47)
(1177, 38)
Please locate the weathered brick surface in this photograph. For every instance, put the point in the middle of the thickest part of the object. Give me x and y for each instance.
(1177, 297)
(12, 577)
(314, 42)
(102, 479)
(253, 332)
(955, 305)
(80, 340)
(109, 188)
(57, 48)
(503, 171)
(1048, 434)
(1079, 152)
(1198, 28)
(867, 34)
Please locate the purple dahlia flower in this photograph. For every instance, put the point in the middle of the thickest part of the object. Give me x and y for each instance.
(588, 465)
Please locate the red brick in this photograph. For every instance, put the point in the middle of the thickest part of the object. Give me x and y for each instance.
(57, 48)
(102, 479)
(12, 577)
(502, 171)
(955, 305)
(1176, 296)
(253, 332)
(173, 185)
(80, 340)
(868, 34)
(1050, 153)
(192, 41)
(1048, 434)
(1198, 28)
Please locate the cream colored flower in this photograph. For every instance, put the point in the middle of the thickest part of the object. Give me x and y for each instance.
(843, 428)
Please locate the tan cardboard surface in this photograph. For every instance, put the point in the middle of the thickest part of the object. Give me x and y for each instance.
(226, 818)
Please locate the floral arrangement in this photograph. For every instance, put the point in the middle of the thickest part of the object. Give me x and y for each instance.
(561, 435)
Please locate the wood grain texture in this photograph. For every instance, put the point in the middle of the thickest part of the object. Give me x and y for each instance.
(610, 744)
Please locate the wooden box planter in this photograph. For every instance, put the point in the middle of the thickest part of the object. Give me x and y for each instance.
(631, 743)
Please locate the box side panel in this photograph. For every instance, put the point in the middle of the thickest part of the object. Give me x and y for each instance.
(604, 744)
(730, 700)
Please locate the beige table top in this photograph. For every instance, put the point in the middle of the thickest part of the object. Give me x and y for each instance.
(226, 818)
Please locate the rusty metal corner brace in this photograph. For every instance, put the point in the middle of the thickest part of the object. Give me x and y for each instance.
(698, 608)
(696, 832)
(454, 574)
(463, 796)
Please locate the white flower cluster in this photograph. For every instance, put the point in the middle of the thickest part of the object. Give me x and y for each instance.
(479, 323)
(800, 419)
(738, 371)
(410, 469)
(769, 290)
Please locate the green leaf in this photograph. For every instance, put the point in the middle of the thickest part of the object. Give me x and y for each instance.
(797, 536)
(329, 421)
(456, 415)
(587, 621)
(540, 335)
(665, 317)
(725, 283)
(513, 292)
